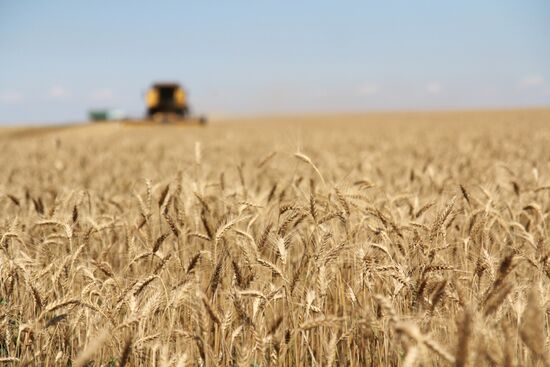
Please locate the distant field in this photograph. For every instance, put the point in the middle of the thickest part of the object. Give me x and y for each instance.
(351, 240)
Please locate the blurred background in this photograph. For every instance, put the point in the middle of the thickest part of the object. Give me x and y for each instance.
(60, 59)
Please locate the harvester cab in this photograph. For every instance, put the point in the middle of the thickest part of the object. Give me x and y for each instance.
(167, 102)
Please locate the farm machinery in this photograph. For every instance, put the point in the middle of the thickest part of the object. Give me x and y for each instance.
(167, 103)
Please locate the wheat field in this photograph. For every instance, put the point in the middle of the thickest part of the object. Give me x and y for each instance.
(383, 239)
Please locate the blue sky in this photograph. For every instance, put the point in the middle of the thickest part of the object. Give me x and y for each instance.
(60, 58)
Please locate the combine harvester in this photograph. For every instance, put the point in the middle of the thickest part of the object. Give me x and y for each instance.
(167, 104)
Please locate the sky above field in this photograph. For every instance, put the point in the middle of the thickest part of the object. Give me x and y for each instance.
(60, 58)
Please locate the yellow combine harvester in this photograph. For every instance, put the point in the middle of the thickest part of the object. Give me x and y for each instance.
(167, 103)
